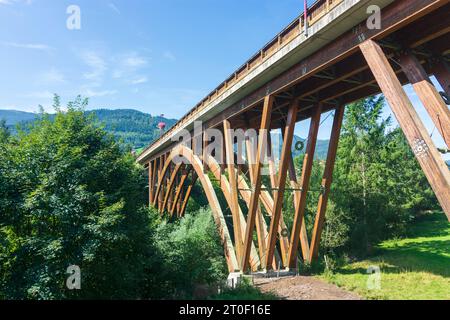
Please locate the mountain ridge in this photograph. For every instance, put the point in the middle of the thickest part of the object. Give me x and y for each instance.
(139, 129)
(133, 127)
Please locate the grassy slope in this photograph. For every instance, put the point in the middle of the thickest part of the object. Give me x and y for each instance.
(417, 267)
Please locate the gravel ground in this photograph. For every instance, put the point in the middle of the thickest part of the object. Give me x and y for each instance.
(303, 288)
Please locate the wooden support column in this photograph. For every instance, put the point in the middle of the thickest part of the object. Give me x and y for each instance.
(282, 229)
(304, 186)
(278, 201)
(427, 93)
(441, 70)
(176, 200)
(170, 186)
(158, 196)
(169, 192)
(163, 191)
(187, 195)
(154, 179)
(150, 182)
(326, 184)
(229, 152)
(272, 167)
(256, 183)
(426, 153)
(261, 227)
(303, 234)
(205, 147)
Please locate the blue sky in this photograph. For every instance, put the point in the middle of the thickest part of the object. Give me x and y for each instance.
(157, 56)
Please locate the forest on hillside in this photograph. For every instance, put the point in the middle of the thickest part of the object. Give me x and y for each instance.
(70, 195)
(132, 128)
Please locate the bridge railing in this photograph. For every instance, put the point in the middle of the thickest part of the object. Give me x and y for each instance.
(316, 11)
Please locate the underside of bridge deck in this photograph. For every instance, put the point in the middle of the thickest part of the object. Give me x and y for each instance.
(412, 44)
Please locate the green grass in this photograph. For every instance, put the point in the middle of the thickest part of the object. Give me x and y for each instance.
(417, 267)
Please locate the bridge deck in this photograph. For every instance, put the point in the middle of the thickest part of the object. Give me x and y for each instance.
(327, 20)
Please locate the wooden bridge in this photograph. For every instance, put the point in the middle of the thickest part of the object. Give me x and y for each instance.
(336, 53)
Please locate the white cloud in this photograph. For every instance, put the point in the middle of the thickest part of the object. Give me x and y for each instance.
(128, 64)
(97, 64)
(169, 56)
(139, 80)
(114, 8)
(32, 46)
(93, 93)
(40, 95)
(53, 76)
(8, 2)
(134, 61)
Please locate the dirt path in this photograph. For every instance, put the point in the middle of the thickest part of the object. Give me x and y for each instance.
(303, 288)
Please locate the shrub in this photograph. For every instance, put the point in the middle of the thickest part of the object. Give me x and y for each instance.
(70, 196)
(193, 254)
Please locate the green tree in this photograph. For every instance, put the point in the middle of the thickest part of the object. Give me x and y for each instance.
(192, 254)
(4, 131)
(69, 196)
(378, 185)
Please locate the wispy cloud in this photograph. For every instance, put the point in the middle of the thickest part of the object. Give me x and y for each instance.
(9, 2)
(31, 46)
(139, 80)
(114, 8)
(133, 60)
(40, 95)
(128, 64)
(52, 76)
(97, 65)
(169, 56)
(93, 93)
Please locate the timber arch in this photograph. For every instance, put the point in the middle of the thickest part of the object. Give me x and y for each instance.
(190, 158)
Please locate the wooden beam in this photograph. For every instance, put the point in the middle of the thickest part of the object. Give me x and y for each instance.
(441, 70)
(427, 93)
(272, 168)
(150, 182)
(234, 205)
(154, 179)
(166, 177)
(194, 178)
(170, 185)
(273, 176)
(256, 183)
(427, 28)
(179, 190)
(261, 227)
(303, 233)
(205, 147)
(246, 193)
(326, 183)
(158, 194)
(426, 153)
(226, 189)
(304, 186)
(278, 201)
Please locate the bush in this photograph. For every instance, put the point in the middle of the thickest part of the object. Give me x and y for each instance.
(193, 254)
(70, 196)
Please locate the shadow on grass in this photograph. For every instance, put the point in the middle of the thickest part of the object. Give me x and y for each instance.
(427, 256)
(427, 249)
